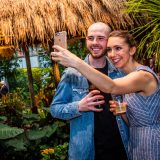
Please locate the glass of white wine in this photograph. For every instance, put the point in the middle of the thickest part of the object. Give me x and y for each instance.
(120, 109)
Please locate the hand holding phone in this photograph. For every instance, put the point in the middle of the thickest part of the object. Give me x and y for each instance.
(60, 38)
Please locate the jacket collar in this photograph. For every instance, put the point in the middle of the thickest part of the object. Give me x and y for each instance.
(111, 67)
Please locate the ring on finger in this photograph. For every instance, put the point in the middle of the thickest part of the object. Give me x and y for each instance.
(53, 54)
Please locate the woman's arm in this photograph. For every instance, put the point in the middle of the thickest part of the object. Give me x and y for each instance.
(140, 81)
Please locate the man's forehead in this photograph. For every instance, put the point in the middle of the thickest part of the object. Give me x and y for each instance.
(96, 27)
(99, 30)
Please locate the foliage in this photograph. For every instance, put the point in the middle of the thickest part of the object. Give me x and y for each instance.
(58, 152)
(8, 69)
(9, 132)
(44, 86)
(79, 48)
(44, 58)
(149, 31)
(22, 132)
(11, 106)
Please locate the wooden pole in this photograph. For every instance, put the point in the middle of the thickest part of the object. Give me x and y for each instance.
(30, 78)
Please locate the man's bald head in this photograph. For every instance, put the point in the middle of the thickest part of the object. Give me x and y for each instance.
(101, 27)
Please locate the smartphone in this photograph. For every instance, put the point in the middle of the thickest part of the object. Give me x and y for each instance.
(60, 38)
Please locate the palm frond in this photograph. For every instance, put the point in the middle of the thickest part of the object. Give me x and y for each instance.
(149, 31)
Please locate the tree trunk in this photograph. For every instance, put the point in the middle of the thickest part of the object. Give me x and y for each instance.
(30, 78)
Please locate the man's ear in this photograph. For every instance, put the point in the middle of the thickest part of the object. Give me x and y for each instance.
(132, 51)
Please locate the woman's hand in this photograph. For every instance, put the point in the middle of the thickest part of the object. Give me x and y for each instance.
(114, 104)
(64, 57)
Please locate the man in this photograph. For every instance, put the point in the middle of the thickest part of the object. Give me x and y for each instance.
(94, 133)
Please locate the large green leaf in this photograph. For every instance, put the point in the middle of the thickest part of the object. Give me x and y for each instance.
(9, 132)
(50, 130)
(45, 131)
(17, 143)
(3, 118)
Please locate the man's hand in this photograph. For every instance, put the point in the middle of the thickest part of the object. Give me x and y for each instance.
(92, 99)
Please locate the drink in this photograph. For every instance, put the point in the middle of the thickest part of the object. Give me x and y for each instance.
(91, 88)
(120, 108)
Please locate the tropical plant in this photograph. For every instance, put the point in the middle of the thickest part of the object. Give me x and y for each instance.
(8, 69)
(23, 132)
(59, 152)
(149, 31)
(79, 48)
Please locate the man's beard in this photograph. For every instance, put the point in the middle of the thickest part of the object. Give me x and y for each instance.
(97, 56)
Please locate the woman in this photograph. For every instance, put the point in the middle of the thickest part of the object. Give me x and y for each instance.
(140, 86)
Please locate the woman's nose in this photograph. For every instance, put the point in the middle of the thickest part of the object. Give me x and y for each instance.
(111, 53)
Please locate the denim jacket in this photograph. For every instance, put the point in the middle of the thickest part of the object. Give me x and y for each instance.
(71, 89)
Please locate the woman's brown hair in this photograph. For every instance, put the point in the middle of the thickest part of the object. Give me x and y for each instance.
(125, 35)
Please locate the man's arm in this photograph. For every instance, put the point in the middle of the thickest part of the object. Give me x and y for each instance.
(65, 107)
(62, 106)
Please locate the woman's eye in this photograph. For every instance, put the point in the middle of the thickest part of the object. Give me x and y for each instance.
(118, 48)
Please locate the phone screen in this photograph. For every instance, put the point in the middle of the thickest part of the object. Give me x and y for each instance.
(60, 38)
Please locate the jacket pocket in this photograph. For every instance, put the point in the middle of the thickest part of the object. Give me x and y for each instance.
(79, 93)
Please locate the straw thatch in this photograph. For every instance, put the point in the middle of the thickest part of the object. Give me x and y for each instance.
(37, 20)
(26, 22)
(6, 51)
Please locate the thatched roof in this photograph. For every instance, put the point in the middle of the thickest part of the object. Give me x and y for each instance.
(38, 20)
(6, 51)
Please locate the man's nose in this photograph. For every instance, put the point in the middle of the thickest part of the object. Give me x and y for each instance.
(95, 40)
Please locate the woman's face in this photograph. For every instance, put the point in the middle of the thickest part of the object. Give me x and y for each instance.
(118, 51)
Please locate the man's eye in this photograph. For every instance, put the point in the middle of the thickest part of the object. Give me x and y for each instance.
(100, 38)
(90, 38)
